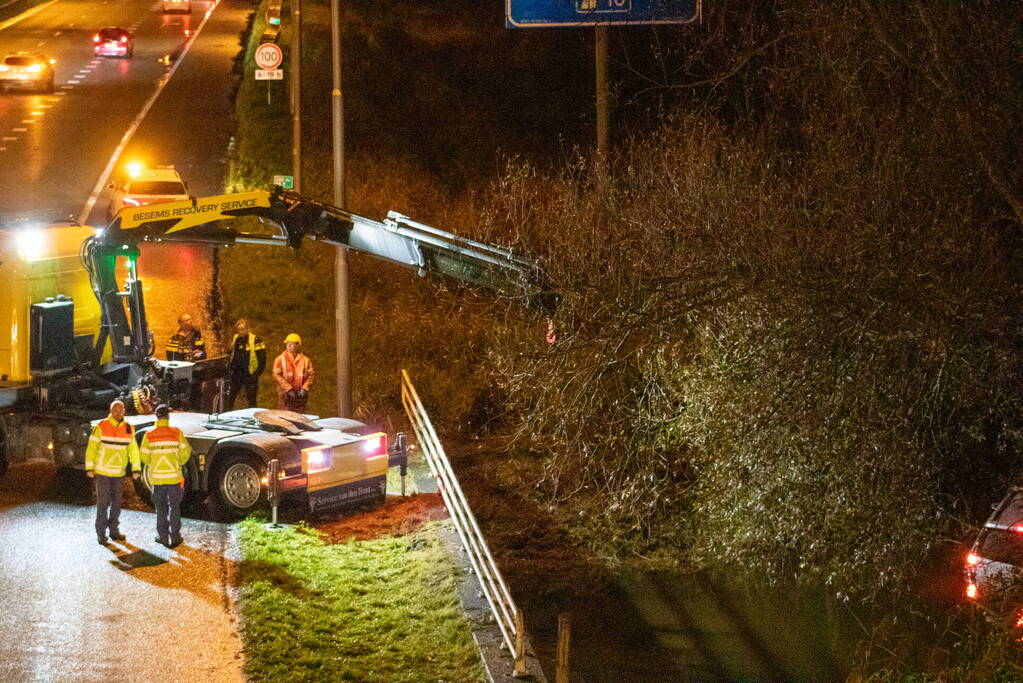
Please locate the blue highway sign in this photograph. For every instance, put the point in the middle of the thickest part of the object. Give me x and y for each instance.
(548, 13)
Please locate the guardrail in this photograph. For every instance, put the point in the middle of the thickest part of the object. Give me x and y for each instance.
(507, 615)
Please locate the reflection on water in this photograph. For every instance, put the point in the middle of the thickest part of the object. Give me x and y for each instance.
(668, 626)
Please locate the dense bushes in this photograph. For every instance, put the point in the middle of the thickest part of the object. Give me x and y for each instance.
(789, 336)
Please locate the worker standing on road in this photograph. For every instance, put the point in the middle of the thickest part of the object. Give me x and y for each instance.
(111, 446)
(187, 343)
(164, 452)
(248, 360)
(293, 373)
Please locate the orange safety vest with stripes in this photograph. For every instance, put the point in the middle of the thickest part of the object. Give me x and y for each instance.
(293, 371)
(111, 446)
(164, 452)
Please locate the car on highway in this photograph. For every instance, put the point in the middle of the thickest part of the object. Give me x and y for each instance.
(113, 42)
(138, 186)
(27, 70)
(182, 6)
(994, 565)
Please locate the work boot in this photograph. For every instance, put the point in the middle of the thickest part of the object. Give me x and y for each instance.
(117, 536)
(101, 540)
(176, 542)
(161, 541)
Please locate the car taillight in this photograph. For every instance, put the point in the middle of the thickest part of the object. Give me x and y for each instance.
(972, 559)
(4, 67)
(95, 38)
(124, 39)
(317, 459)
(35, 68)
(375, 445)
(971, 590)
(1018, 527)
(128, 201)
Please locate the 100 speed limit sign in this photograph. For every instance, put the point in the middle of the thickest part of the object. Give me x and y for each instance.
(269, 56)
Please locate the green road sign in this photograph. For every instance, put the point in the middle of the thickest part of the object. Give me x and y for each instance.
(285, 181)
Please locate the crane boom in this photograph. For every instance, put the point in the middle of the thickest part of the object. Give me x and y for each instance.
(397, 239)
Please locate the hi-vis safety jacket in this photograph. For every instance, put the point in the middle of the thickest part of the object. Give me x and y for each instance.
(293, 371)
(165, 451)
(111, 446)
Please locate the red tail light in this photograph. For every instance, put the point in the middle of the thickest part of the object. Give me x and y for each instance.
(95, 38)
(1017, 527)
(375, 445)
(124, 39)
(972, 559)
(971, 590)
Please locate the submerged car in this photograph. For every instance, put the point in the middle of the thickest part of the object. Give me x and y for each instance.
(994, 562)
(27, 70)
(113, 42)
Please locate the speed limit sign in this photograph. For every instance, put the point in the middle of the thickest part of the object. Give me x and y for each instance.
(269, 56)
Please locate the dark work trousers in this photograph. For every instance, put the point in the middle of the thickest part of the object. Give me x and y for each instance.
(239, 383)
(167, 501)
(109, 491)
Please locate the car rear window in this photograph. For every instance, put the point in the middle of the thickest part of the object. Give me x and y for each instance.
(110, 34)
(156, 187)
(1012, 510)
(1001, 545)
(19, 61)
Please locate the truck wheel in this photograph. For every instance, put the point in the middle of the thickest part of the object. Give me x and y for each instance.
(240, 489)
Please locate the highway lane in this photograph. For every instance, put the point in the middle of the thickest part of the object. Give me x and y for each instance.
(54, 148)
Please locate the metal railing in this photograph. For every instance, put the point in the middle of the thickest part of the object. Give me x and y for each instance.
(507, 615)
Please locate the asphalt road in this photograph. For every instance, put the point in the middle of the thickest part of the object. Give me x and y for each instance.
(75, 610)
(71, 609)
(168, 105)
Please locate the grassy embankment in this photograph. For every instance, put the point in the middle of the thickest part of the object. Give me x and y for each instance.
(379, 609)
(370, 610)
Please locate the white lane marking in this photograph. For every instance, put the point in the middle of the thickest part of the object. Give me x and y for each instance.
(25, 15)
(57, 34)
(38, 113)
(62, 93)
(45, 106)
(41, 43)
(8, 138)
(65, 87)
(3, 149)
(19, 130)
(74, 82)
(102, 182)
(25, 122)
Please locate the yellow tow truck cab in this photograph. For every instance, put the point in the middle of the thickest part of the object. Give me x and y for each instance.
(37, 264)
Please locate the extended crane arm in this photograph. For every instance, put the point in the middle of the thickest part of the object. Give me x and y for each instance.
(397, 239)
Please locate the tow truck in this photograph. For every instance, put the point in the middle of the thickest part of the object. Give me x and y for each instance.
(79, 339)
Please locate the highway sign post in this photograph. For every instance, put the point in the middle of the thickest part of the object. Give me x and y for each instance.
(268, 57)
(600, 14)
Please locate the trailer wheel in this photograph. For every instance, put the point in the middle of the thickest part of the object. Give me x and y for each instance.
(239, 486)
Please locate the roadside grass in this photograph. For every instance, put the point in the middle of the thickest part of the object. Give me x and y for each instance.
(376, 610)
